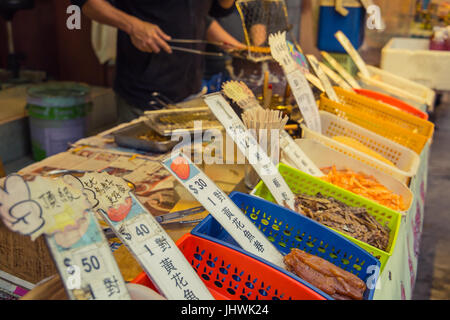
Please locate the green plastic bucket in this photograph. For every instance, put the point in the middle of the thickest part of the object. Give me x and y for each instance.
(57, 115)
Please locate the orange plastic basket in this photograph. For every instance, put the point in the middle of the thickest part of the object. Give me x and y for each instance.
(396, 125)
(231, 275)
(397, 103)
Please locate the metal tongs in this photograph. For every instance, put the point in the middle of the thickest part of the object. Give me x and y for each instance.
(217, 54)
(166, 219)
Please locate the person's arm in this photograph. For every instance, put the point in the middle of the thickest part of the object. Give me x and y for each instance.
(217, 33)
(226, 4)
(221, 8)
(145, 36)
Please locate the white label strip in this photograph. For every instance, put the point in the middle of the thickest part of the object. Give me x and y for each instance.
(305, 100)
(323, 78)
(143, 236)
(335, 77)
(314, 81)
(345, 42)
(222, 208)
(299, 85)
(243, 96)
(297, 157)
(158, 254)
(341, 70)
(249, 147)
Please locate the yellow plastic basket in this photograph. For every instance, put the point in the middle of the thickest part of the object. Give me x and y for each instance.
(396, 125)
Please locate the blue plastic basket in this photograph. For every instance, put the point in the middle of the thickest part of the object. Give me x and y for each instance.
(287, 229)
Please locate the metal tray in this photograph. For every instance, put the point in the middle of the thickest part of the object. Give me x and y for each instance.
(165, 122)
(129, 138)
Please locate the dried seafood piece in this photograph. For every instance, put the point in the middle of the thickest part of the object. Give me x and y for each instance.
(353, 221)
(338, 283)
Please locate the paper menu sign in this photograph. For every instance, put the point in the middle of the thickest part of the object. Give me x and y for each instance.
(299, 85)
(341, 70)
(345, 42)
(222, 208)
(157, 253)
(75, 239)
(242, 95)
(250, 147)
(323, 78)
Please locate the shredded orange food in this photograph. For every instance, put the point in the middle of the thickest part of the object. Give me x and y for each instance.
(364, 185)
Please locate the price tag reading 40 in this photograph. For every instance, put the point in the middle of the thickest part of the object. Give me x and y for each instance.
(251, 149)
(222, 208)
(157, 253)
(300, 88)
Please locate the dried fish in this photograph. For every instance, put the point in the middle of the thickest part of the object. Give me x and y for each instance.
(353, 221)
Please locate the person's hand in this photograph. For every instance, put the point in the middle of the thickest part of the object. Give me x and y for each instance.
(149, 37)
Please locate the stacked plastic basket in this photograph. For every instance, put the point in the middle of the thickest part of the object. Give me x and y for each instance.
(229, 272)
(379, 122)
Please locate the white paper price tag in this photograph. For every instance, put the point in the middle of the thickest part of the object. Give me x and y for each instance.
(296, 157)
(341, 70)
(222, 208)
(305, 100)
(314, 81)
(345, 42)
(89, 271)
(299, 85)
(156, 252)
(64, 214)
(158, 255)
(335, 77)
(249, 147)
(323, 78)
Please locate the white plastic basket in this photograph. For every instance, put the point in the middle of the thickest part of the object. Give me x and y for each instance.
(406, 161)
(323, 156)
(424, 66)
(398, 86)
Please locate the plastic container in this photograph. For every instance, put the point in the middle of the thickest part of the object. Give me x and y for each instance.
(396, 125)
(406, 161)
(57, 116)
(398, 86)
(287, 229)
(412, 59)
(233, 275)
(331, 21)
(394, 102)
(323, 156)
(300, 182)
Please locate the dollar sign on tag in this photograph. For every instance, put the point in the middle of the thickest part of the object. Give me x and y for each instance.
(193, 189)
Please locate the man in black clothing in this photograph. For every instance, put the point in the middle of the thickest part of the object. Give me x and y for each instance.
(145, 61)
